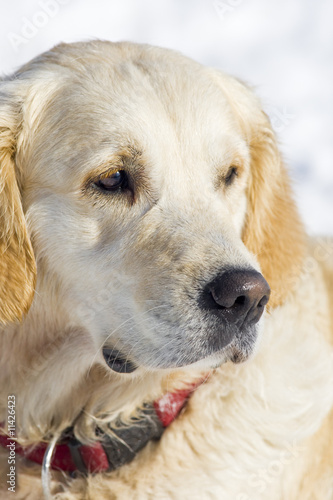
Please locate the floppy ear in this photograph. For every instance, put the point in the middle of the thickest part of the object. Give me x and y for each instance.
(17, 263)
(273, 230)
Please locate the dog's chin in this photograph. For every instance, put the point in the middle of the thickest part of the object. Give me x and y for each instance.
(241, 348)
(238, 351)
(218, 359)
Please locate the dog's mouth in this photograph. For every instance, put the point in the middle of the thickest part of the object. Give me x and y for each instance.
(117, 362)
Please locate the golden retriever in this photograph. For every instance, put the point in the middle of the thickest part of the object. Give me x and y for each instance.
(146, 219)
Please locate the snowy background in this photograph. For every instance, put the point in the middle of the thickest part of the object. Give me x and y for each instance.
(283, 47)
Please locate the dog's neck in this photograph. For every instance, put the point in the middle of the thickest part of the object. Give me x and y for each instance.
(85, 394)
(116, 446)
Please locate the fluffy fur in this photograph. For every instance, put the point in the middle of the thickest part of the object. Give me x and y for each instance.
(125, 270)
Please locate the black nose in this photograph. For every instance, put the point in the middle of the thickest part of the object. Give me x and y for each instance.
(239, 296)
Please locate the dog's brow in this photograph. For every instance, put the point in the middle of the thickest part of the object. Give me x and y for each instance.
(126, 156)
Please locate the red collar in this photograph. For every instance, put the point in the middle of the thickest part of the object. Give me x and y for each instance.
(110, 452)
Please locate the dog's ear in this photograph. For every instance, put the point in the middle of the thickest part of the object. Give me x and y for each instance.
(273, 230)
(17, 263)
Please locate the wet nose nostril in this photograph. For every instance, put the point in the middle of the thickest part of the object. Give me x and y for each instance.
(263, 302)
(237, 295)
(241, 300)
(228, 302)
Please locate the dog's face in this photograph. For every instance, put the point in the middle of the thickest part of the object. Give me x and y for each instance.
(136, 172)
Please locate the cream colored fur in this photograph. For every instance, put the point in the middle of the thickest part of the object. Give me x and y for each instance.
(127, 270)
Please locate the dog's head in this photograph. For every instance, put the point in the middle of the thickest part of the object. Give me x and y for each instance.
(151, 193)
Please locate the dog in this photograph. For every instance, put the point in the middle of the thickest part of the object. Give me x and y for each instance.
(159, 300)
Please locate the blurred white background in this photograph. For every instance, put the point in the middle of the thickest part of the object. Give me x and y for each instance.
(284, 48)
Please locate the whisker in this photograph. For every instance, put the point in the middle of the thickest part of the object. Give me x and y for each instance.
(121, 325)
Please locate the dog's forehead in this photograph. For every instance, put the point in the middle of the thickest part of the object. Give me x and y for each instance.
(167, 106)
(151, 98)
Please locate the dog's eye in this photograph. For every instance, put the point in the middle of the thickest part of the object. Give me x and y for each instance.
(231, 175)
(117, 180)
